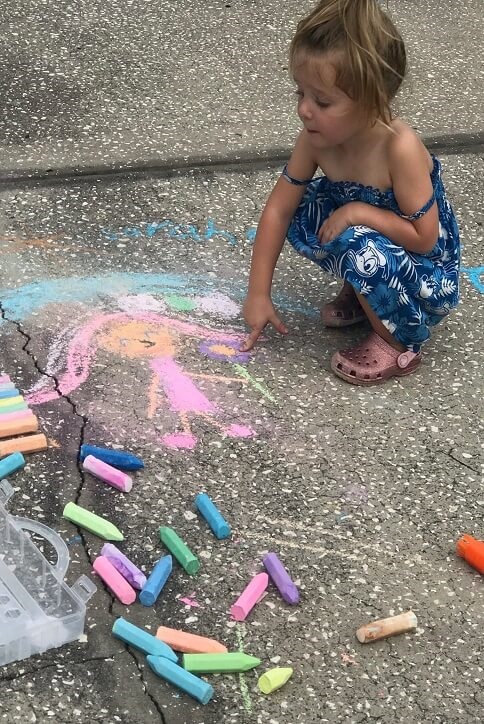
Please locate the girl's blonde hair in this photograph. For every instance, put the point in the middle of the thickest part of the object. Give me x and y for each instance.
(369, 53)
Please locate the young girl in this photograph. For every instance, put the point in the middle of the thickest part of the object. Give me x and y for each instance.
(378, 218)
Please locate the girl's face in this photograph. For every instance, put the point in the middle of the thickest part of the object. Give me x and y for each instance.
(329, 115)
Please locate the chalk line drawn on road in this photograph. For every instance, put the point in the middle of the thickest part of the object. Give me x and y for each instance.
(159, 338)
(178, 231)
(476, 276)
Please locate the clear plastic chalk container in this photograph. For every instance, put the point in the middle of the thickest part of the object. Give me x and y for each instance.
(38, 611)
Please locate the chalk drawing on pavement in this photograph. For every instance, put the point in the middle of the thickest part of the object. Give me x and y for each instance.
(152, 329)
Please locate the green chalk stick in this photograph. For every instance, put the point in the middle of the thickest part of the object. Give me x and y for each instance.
(94, 523)
(179, 550)
(219, 663)
(274, 679)
(13, 406)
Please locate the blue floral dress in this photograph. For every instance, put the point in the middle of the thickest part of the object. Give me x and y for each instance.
(409, 292)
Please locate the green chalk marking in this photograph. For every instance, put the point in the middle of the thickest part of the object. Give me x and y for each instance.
(234, 662)
(94, 523)
(181, 304)
(260, 388)
(179, 550)
(240, 632)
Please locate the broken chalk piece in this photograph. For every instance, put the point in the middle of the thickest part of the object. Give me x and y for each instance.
(179, 550)
(113, 477)
(214, 518)
(92, 522)
(157, 579)
(472, 551)
(12, 401)
(18, 427)
(273, 679)
(127, 568)
(249, 597)
(387, 627)
(118, 585)
(281, 578)
(189, 643)
(116, 458)
(9, 393)
(174, 674)
(233, 662)
(142, 640)
(11, 464)
(30, 443)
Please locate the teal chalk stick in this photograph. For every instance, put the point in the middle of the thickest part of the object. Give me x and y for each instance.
(190, 684)
(207, 508)
(11, 464)
(142, 640)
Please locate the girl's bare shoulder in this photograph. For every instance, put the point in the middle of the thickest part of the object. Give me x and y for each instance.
(405, 140)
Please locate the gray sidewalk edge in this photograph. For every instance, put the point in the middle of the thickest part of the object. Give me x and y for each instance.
(247, 160)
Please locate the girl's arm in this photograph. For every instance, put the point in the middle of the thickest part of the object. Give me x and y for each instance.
(271, 233)
(412, 186)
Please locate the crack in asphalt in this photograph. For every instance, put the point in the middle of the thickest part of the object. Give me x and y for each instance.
(36, 670)
(80, 487)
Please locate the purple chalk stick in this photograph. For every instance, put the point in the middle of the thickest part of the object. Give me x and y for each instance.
(281, 578)
(123, 565)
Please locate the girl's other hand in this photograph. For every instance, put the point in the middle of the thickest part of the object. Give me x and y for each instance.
(339, 221)
(258, 312)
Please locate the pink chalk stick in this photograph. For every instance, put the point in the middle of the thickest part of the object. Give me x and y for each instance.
(4, 378)
(249, 597)
(108, 474)
(17, 415)
(114, 580)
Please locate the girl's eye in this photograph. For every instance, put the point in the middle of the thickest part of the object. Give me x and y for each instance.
(322, 104)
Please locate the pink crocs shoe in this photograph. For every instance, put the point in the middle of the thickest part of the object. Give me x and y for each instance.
(344, 310)
(373, 361)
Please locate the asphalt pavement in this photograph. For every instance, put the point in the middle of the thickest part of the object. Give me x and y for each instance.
(138, 146)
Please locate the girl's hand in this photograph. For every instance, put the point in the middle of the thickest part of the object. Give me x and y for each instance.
(258, 312)
(339, 221)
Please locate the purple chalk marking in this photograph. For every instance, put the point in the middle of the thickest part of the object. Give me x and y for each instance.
(281, 578)
(123, 565)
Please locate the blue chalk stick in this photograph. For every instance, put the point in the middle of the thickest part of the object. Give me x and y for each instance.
(116, 458)
(153, 586)
(142, 640)
(11, 463)
(184, 680)
(213, 516)
(8, 393)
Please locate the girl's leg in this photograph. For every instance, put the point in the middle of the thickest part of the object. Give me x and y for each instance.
(378, 326)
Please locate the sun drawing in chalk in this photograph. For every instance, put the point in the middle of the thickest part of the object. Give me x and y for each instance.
(149, 328)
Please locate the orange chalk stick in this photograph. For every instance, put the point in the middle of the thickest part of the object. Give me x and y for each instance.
(472, 551)
(19, 427)
(30, 443)
(189, 643)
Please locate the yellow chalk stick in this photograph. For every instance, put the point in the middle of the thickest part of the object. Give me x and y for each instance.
(10, 400)
(30, 443)
(18, 427)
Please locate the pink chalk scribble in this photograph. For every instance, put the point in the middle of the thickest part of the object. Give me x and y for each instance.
(145, 335)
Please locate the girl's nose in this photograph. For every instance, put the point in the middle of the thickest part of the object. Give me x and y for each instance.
(304, 109)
